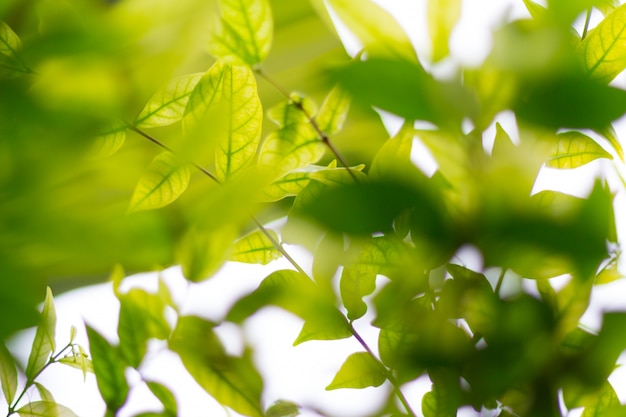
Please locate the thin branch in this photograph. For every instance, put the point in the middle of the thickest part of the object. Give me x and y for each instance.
(322, 136)
(586, 28)
(500, 281)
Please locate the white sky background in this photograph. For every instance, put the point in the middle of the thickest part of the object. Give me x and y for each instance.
(294, 373)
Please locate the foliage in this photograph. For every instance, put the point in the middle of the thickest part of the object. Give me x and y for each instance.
(124, 143)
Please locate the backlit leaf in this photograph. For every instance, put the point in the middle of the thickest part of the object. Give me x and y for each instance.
(282, 408)
(600, 403)
(8, 374)
(295, 144)
(109, 367)
(339, 176)
(44, 393)
(609, 134)
(245, 31)
(79, 360)
(256, 248)
(286, 186)
(333, 112)
(10, 61)
(575, 149)
(375, 27)
(324, 328)
(442, 17)
(44, 343)
(202, 252)
(167, 105)
(233, 381)
(163, 182)
(45, 409)
(607, 6)
(604, 49)
(360, 370)
(165, 396)
(537, 11)
(110, 141)
(394, 154)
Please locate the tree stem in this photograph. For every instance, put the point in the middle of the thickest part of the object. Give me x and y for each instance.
(586, 27)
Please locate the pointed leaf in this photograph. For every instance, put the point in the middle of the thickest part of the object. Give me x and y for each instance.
(167, 105)
(163, 182)
(315, 328)
(286, 186)
(375, 27)
(245, 31)
(142, 317)
(604, 49)
(537, 11)
(44, 343)
(574, 149)
(233, 381)
(44, 393)
(109, 367)
(202, 252)
(256, 248)
(360, 370)
(79, 360)
(607, 6)
(110, 141)
(609, 134)
(334, 111)
(442, 17)
(45, 409)
(339, 176)
(394, 154)
(10, 61)
(8, 374)
(165, 396)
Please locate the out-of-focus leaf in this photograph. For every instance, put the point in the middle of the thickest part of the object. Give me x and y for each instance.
(165, 396)
(256, 248)
(443, 399)
(79, 360)
(8, 374)
(323, 328)
(574, 149)
(202, 252)
(360, 370)
(110, 141)
(163, 182)
(11, 63)
(233, 381)
(442, 17)
(608, 275)
(282, 408)
(44, 393)
(604, 400)
(333, 112)
(374, 26)
(288, 185)
(45, 409)
(167, 105)
(395, 348)
(142, 317)
(537, 11)
(607, 6)
(603, 50)
(609, 134)
(296, 143)
(44, 343)
(245, 31)
(339, 176)
(109, 367)
(393, 155)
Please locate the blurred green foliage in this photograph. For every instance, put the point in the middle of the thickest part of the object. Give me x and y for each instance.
(146, 134)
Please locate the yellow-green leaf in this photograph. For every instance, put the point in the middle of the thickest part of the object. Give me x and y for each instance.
(574, 149)
(165, 396)
(256, 248)
(233, 381)
(339, 176)
(110, 141)
(163, 182)
(360, 370)
(442, 17)
(8, 374)
(202, 252)
(394, 154)
(10, 61)
(333, 112)
(44, 343)
(282, 408)
(244, 31)
(375, 27)
(288, 185)
(44, 393)
(609, 134)
(537, 11)
(324, 328)
(45, 409)
(78, 360)
(607, 6)
(295, 144)
(604, 49)
(167, 105)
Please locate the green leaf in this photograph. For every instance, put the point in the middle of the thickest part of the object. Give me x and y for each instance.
(256, 248)
(394, 155)
(609, 134)
(603, 401)
(109, 367)
(163, 182)
(537, 11)
(607, 6)
(11, 63)
(8, 374)
(442, 17)
(375, 27)
(110, 141)
(245, 31)
(282, 408)
(296, 143)
(574, 149)
(79, 360)
(167, 105)
(334, 111)
(45, 409)
(165, 396)
(324, 328)
(604, 49)
(286, 186)
(360, 370)
(233, 381)
(142, 317)
(44, 343)
(339, 176)
(44, 393)
(202, 252)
